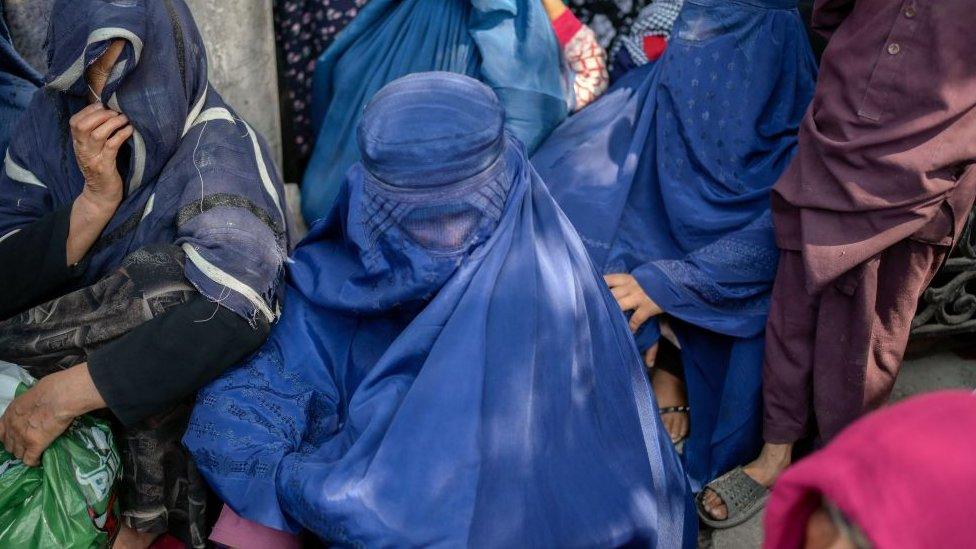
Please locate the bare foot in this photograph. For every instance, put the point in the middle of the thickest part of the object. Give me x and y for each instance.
(130, 538)
(669, 390)
(773, 459)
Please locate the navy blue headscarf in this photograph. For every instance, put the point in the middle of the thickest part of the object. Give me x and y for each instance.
(197, 175)
(449, 369)
(18, 82)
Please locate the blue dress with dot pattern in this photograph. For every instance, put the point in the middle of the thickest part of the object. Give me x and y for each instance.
(668, 177)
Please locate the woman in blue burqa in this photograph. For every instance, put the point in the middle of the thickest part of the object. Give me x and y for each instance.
(667, 179)
(449, 369)
(507, 44)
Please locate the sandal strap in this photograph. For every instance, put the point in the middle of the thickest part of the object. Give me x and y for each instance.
(738, 491)
(674, 410)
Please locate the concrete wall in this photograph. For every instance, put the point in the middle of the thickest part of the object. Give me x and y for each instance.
(240, 47)
(243, 65)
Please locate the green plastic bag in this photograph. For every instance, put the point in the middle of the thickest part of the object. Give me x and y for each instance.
(69, 501)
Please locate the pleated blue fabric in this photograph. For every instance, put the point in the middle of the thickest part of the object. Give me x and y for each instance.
(449, 370)
(507, 44)
(668, 177)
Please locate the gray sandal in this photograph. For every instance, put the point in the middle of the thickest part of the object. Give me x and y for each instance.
(743, 497)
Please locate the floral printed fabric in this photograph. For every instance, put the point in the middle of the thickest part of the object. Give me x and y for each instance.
(609, 19)
(304, 29)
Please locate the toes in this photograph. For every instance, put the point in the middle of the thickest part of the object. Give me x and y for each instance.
(714, 506)
(683, 426)
(711, 500)
(673, 427)
(677, 426)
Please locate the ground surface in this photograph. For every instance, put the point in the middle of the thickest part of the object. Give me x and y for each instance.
(931, 373)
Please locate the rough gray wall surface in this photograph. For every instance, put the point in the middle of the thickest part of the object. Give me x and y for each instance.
(28, 26)
(240, 47)
(239, 35)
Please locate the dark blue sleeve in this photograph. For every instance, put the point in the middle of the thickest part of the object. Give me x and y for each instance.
(33, 263)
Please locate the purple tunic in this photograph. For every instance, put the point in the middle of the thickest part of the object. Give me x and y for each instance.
(888, 140)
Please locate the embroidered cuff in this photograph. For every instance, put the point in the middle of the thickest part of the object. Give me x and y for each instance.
(566, 27)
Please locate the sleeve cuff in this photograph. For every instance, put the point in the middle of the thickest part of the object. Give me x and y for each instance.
(167, 359)
(115, 389)
(648, 335)
(35, 263)
(566, 27)
(56, 261)
(654, 47)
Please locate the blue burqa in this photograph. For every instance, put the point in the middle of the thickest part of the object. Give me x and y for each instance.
(668, 177)
(449, 370)
(507, 44)
(195, 175)
(18, 82)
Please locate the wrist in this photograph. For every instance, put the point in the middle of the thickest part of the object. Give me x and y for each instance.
(104, 203)
(554, 8)
(76, 392)
(94, 208)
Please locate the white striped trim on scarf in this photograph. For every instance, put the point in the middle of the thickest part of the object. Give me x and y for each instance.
(211, 114)
(77, 69)
(149, 206)
(195, 112)
(220, 113)
(263, 172)
(138, 150)
(214, 273)
(8, 235)
(20, 174)
(139, 157)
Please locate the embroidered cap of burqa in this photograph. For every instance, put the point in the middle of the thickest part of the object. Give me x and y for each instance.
(449, 369)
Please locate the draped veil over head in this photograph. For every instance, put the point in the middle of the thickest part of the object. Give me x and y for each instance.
(195, 174)
(449, 369)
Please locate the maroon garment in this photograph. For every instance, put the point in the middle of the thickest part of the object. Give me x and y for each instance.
(834, 356)
(889, 137)
(904, 476)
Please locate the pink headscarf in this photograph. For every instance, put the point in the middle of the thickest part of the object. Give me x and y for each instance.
(905, 475)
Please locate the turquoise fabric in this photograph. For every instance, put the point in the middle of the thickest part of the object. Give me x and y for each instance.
(507, 44)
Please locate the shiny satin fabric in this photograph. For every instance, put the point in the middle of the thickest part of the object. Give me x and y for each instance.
(449, 369)
(667, 177)
(507, 44)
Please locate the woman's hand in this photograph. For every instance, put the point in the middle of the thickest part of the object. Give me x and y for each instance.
(631, 297)
(38, 416)
(97, 134)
